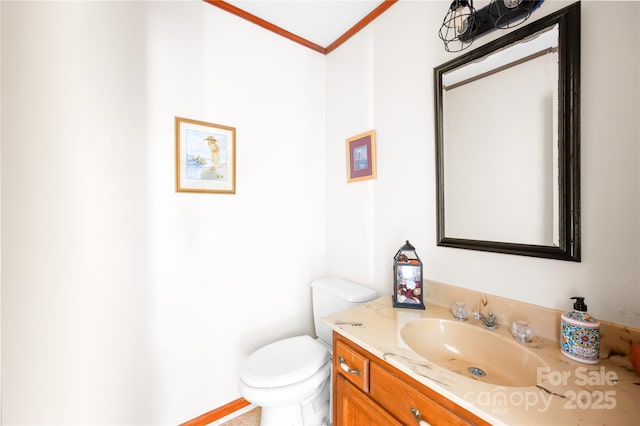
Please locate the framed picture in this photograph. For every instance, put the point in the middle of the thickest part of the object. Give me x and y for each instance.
(205, 157)
(361, 156)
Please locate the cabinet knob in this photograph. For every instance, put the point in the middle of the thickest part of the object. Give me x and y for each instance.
(418, 416)
(346, 367)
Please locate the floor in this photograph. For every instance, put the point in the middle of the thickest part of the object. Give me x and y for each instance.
(250, 418)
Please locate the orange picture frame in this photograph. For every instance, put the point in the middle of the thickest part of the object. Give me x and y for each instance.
(205, 157)
(361, 156)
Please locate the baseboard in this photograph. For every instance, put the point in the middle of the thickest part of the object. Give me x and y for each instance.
(217, 413)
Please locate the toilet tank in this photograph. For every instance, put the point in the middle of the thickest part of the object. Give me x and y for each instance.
(331, 295)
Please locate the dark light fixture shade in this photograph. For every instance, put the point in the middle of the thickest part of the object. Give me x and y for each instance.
(510, 13)
(463, 23)
(458, 26)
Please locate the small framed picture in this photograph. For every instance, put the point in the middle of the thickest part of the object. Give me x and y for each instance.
(361, 157)
(205, 157)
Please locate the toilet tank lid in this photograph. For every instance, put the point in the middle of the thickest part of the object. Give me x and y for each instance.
(345, 290)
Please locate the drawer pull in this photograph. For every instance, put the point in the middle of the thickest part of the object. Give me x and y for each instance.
(346, 368)
(418, 417)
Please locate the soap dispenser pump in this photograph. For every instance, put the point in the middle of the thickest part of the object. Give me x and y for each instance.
(580, 334)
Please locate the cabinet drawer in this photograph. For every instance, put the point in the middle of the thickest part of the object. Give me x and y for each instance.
(352, 365)
(402, 399)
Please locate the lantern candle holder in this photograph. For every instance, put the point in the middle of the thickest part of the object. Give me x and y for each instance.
(407, 278)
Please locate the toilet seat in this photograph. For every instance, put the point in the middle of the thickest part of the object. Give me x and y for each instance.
(284, 362)
(295, 393)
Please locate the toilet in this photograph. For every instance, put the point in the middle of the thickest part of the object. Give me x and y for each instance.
(291, 378)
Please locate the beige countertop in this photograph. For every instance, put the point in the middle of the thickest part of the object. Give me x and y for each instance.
(567, 393)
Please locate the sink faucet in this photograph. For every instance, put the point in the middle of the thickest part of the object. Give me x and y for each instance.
(489, 322)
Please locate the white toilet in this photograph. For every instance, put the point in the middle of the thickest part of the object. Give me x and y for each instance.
(291, 378)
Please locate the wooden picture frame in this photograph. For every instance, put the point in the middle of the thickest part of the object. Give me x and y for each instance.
(205, 157)
(361, 157)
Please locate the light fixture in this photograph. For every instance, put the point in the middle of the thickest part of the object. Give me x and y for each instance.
(509, 13)
(462, 23)
(458, 26)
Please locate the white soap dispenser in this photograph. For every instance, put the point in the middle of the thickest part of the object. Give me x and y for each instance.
(580, 334)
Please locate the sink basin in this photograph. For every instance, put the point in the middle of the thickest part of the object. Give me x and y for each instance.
(473, 352)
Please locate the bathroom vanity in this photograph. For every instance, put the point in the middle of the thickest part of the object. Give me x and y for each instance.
(367, 390)
(382, 376)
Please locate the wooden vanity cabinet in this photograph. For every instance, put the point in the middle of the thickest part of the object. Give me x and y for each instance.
(353, 407)
(368, 391)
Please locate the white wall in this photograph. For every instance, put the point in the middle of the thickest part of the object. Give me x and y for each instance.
(124, 302)
(402, 48)
(350, 229)
(0, 212)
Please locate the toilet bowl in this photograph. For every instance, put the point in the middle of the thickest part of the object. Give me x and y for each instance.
(291, 378)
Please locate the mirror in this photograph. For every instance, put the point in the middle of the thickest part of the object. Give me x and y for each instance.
(508, 143)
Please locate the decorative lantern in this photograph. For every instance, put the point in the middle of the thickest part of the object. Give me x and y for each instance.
(407, 278)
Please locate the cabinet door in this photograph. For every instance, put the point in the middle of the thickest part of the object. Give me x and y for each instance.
(354, 408)
(409, 404)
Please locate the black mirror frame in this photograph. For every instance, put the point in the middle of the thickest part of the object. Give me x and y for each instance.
(568, 20)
